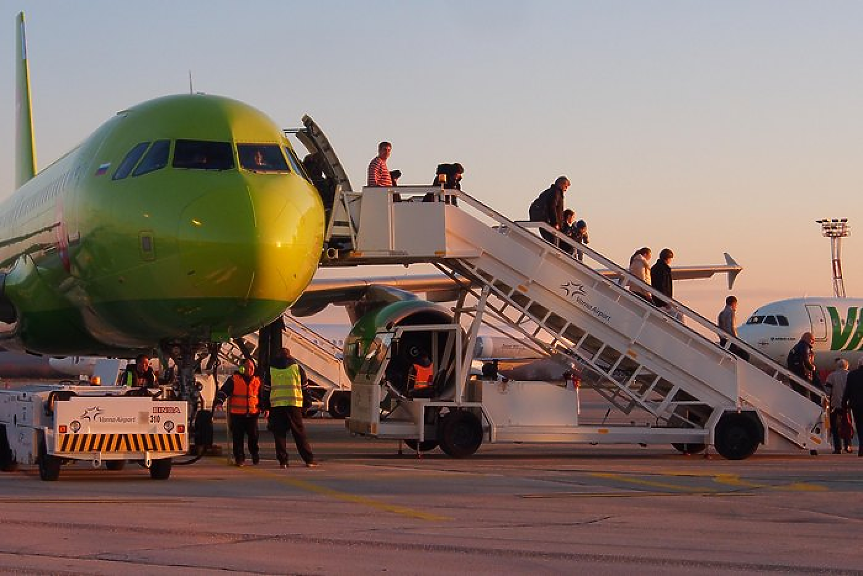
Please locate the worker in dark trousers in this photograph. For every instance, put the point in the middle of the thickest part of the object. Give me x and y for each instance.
(285, 386)
(243, 389)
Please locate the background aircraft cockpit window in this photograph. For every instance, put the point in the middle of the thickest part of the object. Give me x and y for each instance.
(201, 155)
(262, 158)
(130, 160)
(156, 158)
(783, 321)
(296, 164)
(755, 320)
(770, 320)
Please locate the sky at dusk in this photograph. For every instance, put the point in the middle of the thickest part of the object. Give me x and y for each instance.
(703, 127)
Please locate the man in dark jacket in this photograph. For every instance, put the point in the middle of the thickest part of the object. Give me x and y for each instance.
(853, 399)
(660, 276)
(548, 207)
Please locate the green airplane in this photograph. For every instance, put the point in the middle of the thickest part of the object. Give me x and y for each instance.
(183, 220)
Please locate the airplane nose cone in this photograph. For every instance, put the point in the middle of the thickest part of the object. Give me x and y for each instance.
(253, 248)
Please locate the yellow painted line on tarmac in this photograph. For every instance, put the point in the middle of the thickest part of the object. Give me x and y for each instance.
(735, 480)
(346, 497)
(802, 487)
(651, 483)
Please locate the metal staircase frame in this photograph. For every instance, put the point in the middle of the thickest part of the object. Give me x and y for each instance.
(628, 359)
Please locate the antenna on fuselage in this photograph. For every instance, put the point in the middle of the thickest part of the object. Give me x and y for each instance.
(836, 230)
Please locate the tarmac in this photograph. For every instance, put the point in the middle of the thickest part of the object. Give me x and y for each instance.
(509, 509)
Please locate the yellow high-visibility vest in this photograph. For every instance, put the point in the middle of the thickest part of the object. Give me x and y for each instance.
(286, 388)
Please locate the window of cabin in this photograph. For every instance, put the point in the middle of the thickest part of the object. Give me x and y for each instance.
(262, 158)
(202, 155)
(755, 320)
(130, 160)
(770, 320)
(156, 158)
(296, 164)
(783, 321)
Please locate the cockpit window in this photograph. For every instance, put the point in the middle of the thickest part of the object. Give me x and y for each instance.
(262, 158)
(156, 158)
(783, 321)
(130, 160)
(755, 320)
(295, 163)
(201, 155)
(770, 320)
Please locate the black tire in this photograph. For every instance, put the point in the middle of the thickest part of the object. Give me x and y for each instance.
(423, 446)
(49, 466)
(160, 469)
(737, 436)
(7, 460)
(689, 448)
(460, 434)
(116, 465)
(340, 405)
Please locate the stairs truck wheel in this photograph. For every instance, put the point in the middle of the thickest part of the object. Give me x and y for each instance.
(737, 436)
(340, 405)
(49, 466)
(460, 434)
(160, 469)
(689, 448)
(115, 465)
(423, 446)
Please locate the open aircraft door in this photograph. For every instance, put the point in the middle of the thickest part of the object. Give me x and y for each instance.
(818, 322)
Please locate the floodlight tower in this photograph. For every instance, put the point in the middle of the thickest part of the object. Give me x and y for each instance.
(836, 230)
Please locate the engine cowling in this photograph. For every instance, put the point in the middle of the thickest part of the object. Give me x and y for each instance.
(365, 348)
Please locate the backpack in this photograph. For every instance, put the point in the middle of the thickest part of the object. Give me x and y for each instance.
(795, 361)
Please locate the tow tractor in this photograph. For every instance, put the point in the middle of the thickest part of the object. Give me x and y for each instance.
(55, 424)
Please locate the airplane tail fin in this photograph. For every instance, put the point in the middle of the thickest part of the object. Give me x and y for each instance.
(25, 147)
(732, 275)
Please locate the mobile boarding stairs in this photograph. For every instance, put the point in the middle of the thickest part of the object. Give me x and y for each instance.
(635, 356)
(632, 353)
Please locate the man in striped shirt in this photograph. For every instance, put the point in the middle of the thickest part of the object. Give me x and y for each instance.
(379, 174)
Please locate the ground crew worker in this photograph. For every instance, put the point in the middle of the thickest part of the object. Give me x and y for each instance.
(286, 382)
(139, 374)
(243, 389)
(420, 375)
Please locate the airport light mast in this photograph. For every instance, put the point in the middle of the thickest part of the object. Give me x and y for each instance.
(836, 230)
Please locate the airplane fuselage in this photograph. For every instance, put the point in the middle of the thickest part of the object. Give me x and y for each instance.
(834, 322)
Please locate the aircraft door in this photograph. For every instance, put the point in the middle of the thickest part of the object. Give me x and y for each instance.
(818, 322)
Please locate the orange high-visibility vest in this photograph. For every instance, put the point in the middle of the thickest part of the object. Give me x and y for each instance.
(244, 399)
(422, 376)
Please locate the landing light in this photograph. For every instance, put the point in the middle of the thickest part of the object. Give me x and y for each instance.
(196, 222)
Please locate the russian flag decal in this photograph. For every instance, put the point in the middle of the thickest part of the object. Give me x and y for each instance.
(103, 168)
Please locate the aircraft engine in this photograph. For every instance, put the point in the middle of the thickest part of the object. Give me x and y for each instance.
(366, 345)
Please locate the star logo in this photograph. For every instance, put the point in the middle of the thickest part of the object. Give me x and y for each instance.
(573, 288)
(91, 413)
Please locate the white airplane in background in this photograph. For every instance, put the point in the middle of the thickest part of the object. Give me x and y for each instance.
(835, 323)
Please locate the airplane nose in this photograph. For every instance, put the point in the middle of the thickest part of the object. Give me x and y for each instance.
(252, 245)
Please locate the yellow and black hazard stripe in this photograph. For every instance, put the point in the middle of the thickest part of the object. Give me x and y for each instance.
(121, 442)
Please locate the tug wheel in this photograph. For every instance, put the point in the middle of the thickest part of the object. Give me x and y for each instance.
(160, 469)
(49, 466)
